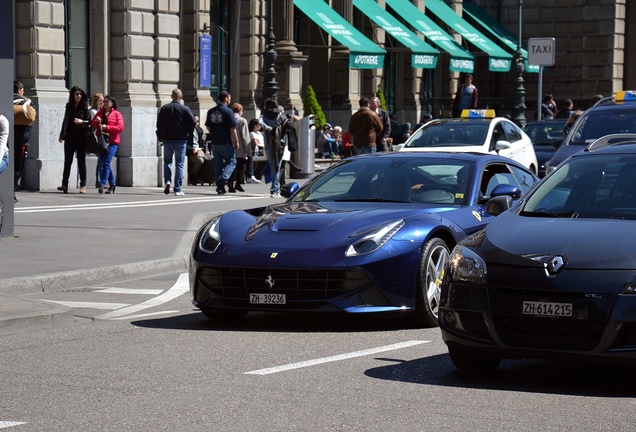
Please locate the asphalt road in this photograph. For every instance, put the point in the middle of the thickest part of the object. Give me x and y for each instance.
(164, 367)
(139, 357)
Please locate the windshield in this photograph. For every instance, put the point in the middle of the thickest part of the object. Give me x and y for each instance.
(447, 134)
(545, 133)
(598, 123)
(422, 180)
(588, 187)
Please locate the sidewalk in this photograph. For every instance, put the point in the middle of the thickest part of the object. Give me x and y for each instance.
(70, 240)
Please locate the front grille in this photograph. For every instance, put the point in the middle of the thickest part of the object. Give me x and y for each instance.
(582, 332)
(238, 283)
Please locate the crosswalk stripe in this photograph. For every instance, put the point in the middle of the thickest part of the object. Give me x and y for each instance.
(89, 305)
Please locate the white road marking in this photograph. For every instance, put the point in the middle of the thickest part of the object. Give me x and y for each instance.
(180, 287)
(6, 424)
(149, 314)
(102, 206)
(114, 290)
(90, 305)
(315, 362)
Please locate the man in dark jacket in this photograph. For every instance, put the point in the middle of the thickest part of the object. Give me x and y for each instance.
(21, 129)
(382, 139)
(365, 126)
(175, 122)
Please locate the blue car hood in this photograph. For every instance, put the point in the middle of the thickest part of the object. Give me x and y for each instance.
(331, 222)
(585, 243)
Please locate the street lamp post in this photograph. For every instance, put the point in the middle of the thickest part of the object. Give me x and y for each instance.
(270, 86)
(519, 108)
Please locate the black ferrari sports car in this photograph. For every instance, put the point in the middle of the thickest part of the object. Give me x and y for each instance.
(555, 276)
(371, 234)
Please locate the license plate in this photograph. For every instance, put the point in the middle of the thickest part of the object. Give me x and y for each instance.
(268, 299)
(547, 309)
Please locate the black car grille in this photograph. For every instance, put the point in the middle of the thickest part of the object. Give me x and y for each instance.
(238, 283)
(581, 332)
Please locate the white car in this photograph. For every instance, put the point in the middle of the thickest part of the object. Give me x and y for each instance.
(477, 131)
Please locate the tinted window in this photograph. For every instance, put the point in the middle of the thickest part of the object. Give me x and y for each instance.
(597, 123)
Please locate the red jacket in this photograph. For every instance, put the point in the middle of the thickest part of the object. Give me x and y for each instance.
(114, 125)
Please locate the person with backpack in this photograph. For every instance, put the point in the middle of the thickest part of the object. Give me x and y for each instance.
(274, 122)
(24, 115)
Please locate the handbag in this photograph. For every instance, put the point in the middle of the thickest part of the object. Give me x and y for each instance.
(95, 143)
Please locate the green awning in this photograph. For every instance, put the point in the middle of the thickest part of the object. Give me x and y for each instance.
(495, 28)
(365, 54)
(499, 60)
(460, 61)
(423, 55)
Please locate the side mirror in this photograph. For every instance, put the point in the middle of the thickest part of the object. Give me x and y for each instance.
(289, 189)
(502, 145)
(506, 189)
(497, 205)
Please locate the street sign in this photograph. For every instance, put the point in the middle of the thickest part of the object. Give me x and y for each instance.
(541, 51)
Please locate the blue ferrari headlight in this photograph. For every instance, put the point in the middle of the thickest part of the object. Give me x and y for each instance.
(211, 238)
(466, 266)
(374, 240)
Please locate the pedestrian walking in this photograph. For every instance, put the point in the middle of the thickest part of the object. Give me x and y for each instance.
(96, 104)
(108, 122)
(24, 115)
(221, 125)
(382, 140)
(76, 117)
(242, 151)
(175, 122)
(364, 127)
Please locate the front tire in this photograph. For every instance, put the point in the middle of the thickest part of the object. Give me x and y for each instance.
(435, 256)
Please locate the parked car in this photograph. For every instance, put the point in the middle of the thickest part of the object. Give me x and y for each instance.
(555, 276)
(371, 234)
(545, 135)
(476, 131)
(611, 115)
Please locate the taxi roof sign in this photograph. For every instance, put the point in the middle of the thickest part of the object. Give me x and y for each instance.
(625, 95)
(478, 113)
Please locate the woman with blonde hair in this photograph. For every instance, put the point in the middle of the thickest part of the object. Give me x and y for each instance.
(96, 105)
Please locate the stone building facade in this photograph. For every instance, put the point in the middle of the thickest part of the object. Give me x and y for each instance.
(139, 50)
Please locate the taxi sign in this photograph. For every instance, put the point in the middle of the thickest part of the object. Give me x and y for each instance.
(625, 95)
(478, 113)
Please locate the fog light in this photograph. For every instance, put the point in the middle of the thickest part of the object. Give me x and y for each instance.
(450, 318)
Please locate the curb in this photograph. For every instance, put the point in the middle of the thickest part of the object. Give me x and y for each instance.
(41, 316)
(76, 278)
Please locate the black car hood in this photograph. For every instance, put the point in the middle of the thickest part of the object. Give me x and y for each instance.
(584, 243)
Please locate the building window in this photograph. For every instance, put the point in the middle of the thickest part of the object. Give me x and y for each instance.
(77, 44)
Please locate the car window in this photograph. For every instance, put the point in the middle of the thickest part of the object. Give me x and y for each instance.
(600, 187)
(511, 131)
(500, 173)
(524, 179)
(415, 180)
(497, 135)
(448, 134)
(597, 123)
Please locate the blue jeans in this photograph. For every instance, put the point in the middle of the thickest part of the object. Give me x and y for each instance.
(176, 148)
(4, 163)
(363, 150)
(274, 170)
(224, 161)
(107, 173)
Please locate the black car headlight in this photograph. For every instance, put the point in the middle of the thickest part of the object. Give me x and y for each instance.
(467, 267)
(375, 239)
(211, 238)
